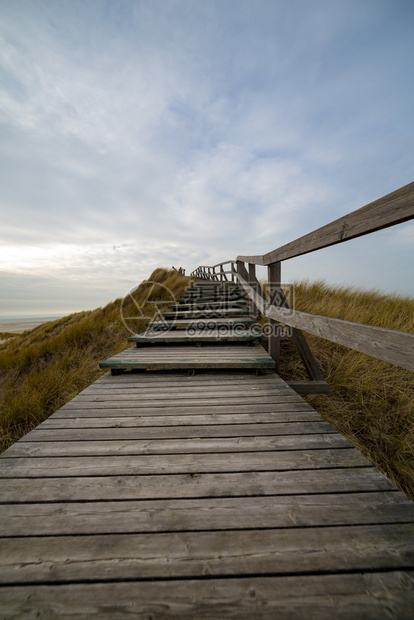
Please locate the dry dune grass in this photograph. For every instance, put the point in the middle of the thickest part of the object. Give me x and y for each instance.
(372, 402)
(42, 369)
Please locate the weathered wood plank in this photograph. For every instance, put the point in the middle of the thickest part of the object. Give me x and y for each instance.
(310, 387)
(388, 211)
(288, 511)
(180, 394)
(61, 422)
(274, 284)
(180, 463)
(176, 337)
(212, 305)
(205, 313)
(164, 486)
(139, 380)
(197, 403)
(185, 363)
(199, 383)
(73, 410)
(235, 377)
(184, 554)
(186, 392)
(202, 323)
(344, 597)
(43, 433)
(90, 443)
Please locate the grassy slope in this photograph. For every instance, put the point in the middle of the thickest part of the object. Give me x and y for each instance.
(44, 368)
(372, 402)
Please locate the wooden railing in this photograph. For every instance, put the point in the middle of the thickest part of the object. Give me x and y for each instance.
(203, 272)
(386, 344)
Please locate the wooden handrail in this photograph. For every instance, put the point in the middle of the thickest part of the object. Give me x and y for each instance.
(390, 210)
(387, 344)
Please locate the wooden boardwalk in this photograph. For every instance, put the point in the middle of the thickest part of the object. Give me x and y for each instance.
(218, 495)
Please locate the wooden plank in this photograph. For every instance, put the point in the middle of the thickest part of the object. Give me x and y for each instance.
(72, 420)
(201, 323)
(202, 305)
(232, 377)
(204, 313)
(173, 391)
(390, 210)
(171, 395)
(184, 363)
(294, 413)
(61, 443)
(180, 463)
(199, 387)
(274, 285)
(236, 297)
(164, 486)
(137, 382)
(176, 388)
(247, 402)
(43, 433)
(346, 596)
(310, 387)
(191, 515)
(186, 554)
(176, 337)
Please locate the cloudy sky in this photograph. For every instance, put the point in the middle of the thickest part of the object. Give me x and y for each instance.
(145, 133)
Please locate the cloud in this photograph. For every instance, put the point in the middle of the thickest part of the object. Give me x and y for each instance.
(180, 132)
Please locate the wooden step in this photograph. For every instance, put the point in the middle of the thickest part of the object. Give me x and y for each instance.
(212, 307)
(210, 284)
(187, 358)
(206, 324)
(204, 314)
(213, 298)
(202, 305)
(197, 337)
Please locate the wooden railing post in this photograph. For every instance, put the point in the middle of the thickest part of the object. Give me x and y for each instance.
(241, 269)
(252, 282)
(274, 285)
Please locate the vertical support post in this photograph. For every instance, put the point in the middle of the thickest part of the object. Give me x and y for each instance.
(274, 284)
(241, 269)
(252, 282)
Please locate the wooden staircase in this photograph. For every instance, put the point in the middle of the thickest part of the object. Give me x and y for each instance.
(219, 494)
(214, 331)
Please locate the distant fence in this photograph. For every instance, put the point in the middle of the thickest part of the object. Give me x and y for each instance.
(386, 344)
